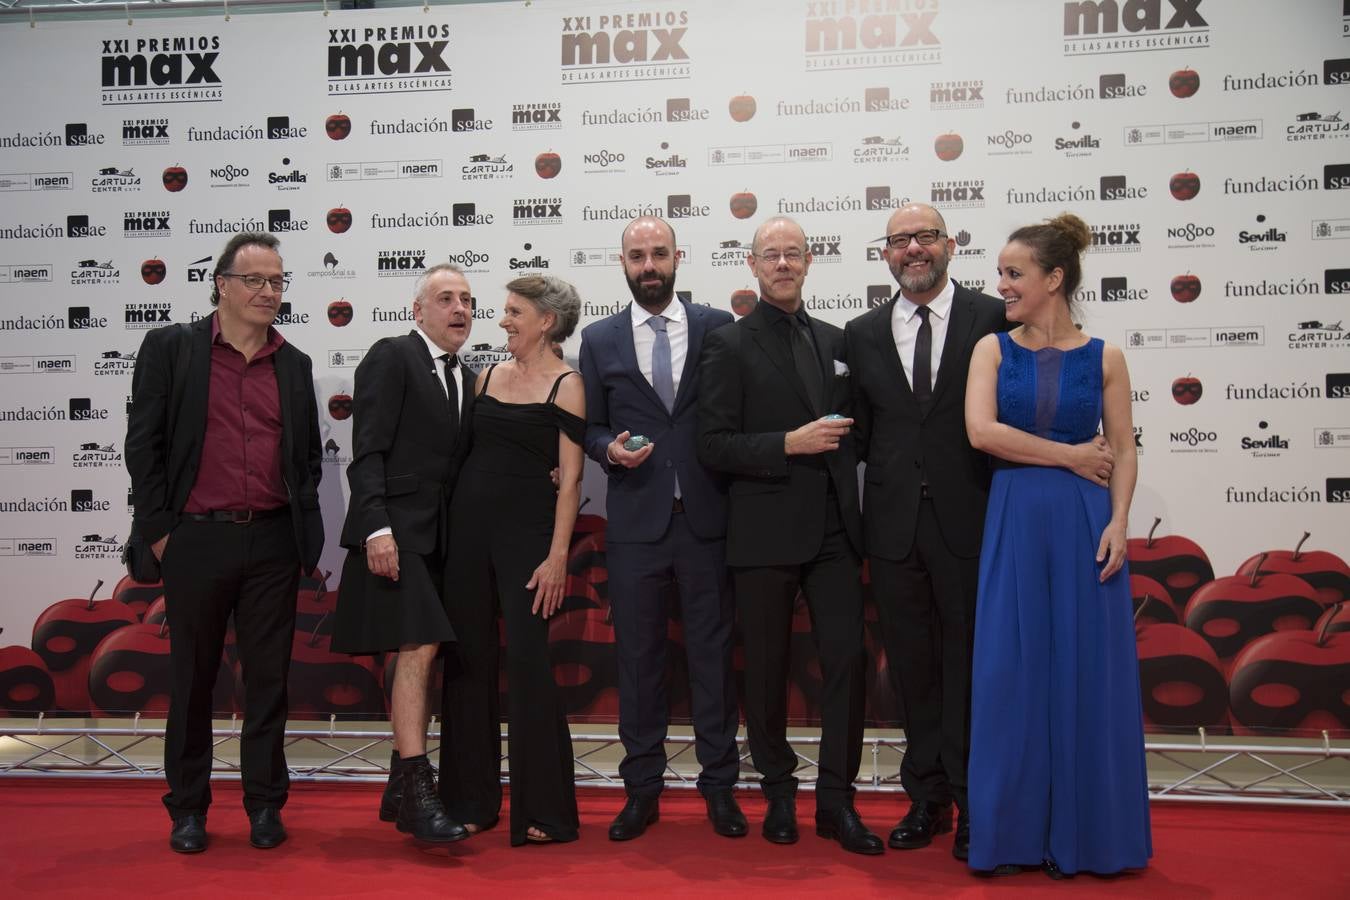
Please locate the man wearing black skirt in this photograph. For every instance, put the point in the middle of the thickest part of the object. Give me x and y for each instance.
(410, 411)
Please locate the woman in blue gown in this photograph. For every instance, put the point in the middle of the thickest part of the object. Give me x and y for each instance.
(1057, 774)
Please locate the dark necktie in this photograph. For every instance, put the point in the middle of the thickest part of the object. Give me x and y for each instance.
(923, 361)
(663, 379)
(807, 364)
(451, 362)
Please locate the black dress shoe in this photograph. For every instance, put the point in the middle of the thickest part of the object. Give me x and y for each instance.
(920, 824)
(633, 819)
(392, 798)
(725, 814)
(422, 814)
(1052, 869)
(188, 834)
(961, 846)
(265, 830)
(846, 826)
(780, 821)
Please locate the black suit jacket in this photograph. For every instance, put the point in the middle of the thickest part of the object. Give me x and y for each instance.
(749, 397)
(899, 443)
(163, 463)
(405, 457)
(619, 398)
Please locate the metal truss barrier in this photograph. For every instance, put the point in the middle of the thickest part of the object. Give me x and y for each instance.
(1309, 774)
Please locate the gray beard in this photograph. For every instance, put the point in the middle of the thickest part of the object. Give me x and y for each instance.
(921, 284)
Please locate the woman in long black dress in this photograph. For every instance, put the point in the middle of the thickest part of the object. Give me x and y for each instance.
(510, 530)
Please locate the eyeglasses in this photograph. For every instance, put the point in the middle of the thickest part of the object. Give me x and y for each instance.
(256, 282)
(773, 257)
(927, 237)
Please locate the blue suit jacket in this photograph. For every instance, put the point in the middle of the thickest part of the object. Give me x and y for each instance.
(619, 398)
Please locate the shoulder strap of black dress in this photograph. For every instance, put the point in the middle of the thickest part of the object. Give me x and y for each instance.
(554, 393)
(487, 377)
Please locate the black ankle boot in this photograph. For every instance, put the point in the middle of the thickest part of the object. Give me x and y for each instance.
(393, 789)
(421, 813)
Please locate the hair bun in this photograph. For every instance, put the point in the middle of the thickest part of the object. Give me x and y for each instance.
(1073, 228)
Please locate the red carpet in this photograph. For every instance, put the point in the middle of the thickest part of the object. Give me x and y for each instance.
(108, 839)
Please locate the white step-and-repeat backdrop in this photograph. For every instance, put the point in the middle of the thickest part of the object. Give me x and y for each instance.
(1205, 142)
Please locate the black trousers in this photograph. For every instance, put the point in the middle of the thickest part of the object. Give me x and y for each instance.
(640, 576)
(926, 603)
(213, 569)
(765, 597)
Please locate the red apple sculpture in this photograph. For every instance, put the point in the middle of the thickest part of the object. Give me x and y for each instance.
(1180, 678)
(65, 636)
(1152, 602)
(1326, 572)
(26, 687)
(1233, 611)
(1187, 390)
(315, 605)
(1292, 681)
(581, 647)
(1176, 562)
(1335, 620)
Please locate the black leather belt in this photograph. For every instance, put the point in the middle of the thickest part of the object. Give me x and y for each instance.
(678, 506)
(237, 516)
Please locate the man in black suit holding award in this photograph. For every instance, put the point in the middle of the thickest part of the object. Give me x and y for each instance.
(773, 406)
(924, 496)
(224, 457)
(410, 409)
(667, 524)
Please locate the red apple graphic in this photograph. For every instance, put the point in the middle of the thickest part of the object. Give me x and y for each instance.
(1187, 390)
(1326, 572)
(137, 595)
(323, 682)
(1184, 185)
(743, 204)
(337, 126)
(65, 636)
(1292, 681)
(340, 313)
(156, 613)
(153, 271)
(1336, 619)
(1180, 678)
(1186, 288)
(948, 146)
(339, 219)
(340, 406)
(743, 301)
(1152, 602)
(1233, 611)
(1174, 561)
(1184, 83)
(547, 164)
(25, 684)
(174, 178)
(742, 108)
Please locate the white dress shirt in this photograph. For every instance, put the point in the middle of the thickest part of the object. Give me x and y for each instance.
(677, 330)
(905, 324)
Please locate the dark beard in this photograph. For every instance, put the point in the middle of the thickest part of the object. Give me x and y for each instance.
(652, 297)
